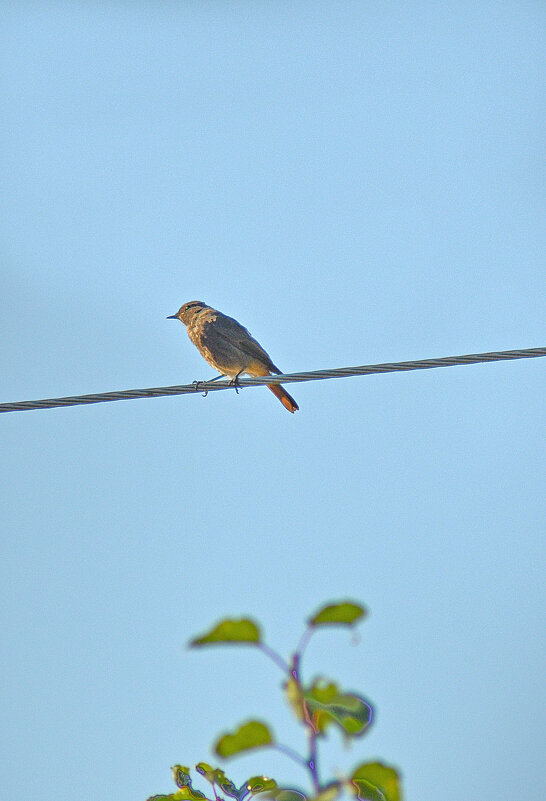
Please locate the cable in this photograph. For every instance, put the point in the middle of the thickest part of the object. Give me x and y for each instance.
(289, 378)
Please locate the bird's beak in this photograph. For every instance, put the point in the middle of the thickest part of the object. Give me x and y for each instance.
(172, 317)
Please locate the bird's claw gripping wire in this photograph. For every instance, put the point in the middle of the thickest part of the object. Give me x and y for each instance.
(205, 391)
(235, 382)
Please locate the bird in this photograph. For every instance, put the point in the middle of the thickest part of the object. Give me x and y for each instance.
(228, 346)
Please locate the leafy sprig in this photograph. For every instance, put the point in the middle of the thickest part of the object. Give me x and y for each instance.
(319, 706)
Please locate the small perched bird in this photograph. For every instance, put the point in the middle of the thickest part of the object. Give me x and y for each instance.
(228, 347)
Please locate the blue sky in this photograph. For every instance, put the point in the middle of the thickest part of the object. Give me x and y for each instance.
(356, 182)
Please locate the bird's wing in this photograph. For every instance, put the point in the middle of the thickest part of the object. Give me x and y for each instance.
(229, 329)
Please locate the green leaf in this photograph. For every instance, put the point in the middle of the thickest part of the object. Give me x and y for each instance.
(206, 770)
(260, 784)
(180, 795)
(187, 794)
(374, 781)
(181, 775)
(322, 691)
(182, 779)
(352, 713)
(225, 784)
(253, 734)
(329, 793)
(345, 613)
(287, 794)
(327, 704)
(218, 777)
(365, 791)
(294, 696)
(212, 775)
(230, 631)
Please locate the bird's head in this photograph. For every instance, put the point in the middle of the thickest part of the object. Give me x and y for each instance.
(187, 312)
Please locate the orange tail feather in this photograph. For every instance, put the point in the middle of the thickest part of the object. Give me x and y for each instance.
(287, 400)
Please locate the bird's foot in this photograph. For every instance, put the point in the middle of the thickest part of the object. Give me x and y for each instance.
(205, 392)
(235, 382)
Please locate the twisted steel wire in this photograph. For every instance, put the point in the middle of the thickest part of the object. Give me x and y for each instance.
(288, 378)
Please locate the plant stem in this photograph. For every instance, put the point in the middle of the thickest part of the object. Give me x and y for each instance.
(313, 758)
(289, 752)
(304, 640)
(274, 656)
(307, 720)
